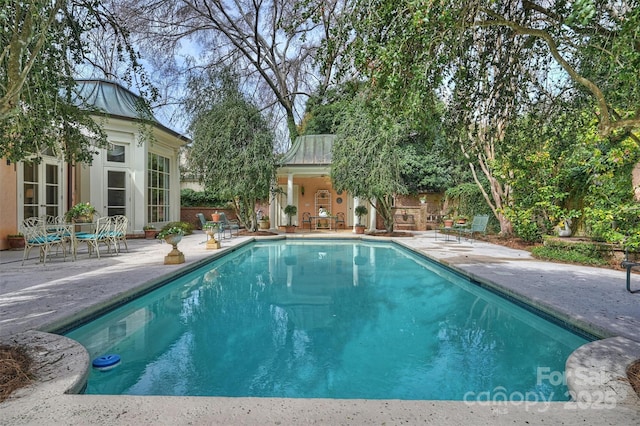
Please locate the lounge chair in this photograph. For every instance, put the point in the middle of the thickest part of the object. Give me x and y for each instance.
(227, 225)
(204, 223)
(479, 224)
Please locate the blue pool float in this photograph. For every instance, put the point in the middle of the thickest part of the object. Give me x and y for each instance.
(106, 362)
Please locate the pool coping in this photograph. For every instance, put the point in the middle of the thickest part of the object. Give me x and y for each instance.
(63, 365)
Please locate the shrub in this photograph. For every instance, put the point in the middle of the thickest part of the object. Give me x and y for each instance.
(191, 198)
(582, 253)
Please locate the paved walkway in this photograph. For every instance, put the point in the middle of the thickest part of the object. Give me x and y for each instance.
(46, 297)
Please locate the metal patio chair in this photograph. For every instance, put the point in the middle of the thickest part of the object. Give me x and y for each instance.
(38, 234)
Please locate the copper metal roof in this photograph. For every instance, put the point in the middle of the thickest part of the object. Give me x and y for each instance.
(116, 101)
(310, 150)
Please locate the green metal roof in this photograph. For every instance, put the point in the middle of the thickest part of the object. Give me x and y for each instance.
(310, 150)
(116, 101)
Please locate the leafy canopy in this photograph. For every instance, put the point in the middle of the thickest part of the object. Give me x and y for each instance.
(232, 150)
(366, 156)
(42, 43)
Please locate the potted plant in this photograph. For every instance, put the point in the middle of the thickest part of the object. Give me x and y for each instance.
(80, 213)
(461, 220)
(264, 222)
(423, 199)
(448, 222)
(290, 210)
(16, 241)
(172, 235)
(150, 232)
(360, 211)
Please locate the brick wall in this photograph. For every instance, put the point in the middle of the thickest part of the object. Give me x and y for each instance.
(188, 214)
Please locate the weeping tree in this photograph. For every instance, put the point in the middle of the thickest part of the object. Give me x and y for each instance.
(366, 156)
(232, 149)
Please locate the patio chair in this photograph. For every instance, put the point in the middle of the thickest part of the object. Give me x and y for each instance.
(227, 225)
(118, 233)
(340, 220)
(479, 224)
(102, 234)
(36, 234)
(306, 219)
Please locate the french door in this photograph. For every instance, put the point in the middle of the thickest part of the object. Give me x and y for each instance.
(42, 188)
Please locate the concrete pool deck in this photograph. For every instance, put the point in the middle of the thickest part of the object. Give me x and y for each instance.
(36, 298)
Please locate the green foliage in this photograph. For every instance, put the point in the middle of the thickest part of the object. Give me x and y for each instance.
(173, 230)
(583, 253)
(524, 224)
(42, 41)
(425, 166)
(360, 211)
(191, 198)
(290, 210)
(324, 111)
(182, 228)
(80, 209)
(466, 199)
(232, 150)
(366, 159)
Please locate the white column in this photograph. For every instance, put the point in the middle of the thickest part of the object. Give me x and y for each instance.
(356, 203)
(372, 216)
(290, 189)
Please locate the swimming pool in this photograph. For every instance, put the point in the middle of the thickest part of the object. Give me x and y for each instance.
(320, 319)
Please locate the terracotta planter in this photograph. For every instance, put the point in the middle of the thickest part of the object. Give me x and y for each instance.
(215, 217)
(448, 223)
(290, 229)
(16, 242)
(359, 229)
(150, 234)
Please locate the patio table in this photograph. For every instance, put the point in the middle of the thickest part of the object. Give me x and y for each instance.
(330, 220)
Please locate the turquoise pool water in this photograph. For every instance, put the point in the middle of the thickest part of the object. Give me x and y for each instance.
(320, 319)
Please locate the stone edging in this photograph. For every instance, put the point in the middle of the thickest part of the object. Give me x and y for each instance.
(597, 372)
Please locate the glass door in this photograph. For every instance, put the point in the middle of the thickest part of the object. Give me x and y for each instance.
(116, 201)
(42, 189)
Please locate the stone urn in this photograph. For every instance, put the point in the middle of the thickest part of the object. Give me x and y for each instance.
(212, 243)
(175, 256)
(173, 239)
(85, 218)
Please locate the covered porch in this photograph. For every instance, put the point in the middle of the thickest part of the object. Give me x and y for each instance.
(304, 181)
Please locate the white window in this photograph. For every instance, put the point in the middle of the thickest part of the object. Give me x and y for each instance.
(158, 188)
(116, 153)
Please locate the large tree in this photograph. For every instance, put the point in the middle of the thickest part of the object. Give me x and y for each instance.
(232, 149)
(42, 43)
(272, 43)
(411, 47)
(493, 60)
(366, 156)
